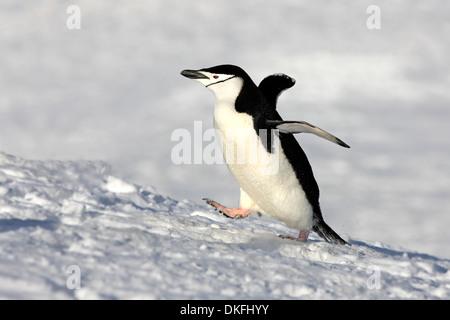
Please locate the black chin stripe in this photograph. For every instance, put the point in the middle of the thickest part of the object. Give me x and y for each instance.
(220, 81)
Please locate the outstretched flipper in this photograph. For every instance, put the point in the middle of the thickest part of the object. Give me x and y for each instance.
(303, 127)
(272, 86)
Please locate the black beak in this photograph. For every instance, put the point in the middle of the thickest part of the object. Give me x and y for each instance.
(193, 74)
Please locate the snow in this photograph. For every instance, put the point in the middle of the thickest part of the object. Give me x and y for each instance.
(130, 242)
(105, 100)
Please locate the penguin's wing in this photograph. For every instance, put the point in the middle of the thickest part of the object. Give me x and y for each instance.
(272, 86)
(293, 127)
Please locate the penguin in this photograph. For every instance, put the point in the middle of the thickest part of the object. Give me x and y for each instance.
(247, 113)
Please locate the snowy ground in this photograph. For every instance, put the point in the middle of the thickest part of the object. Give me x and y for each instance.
(112, 92)
(69, 223)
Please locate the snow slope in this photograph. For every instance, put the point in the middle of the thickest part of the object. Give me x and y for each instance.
(64, 221)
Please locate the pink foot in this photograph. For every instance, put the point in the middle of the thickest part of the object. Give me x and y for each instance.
(302, 237)
(233, 213)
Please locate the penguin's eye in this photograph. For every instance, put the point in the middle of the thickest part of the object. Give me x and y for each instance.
(216, 77)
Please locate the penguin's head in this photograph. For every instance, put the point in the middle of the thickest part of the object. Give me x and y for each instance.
(225, 81)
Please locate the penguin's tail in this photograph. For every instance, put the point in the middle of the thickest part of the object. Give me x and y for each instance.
(325, 231)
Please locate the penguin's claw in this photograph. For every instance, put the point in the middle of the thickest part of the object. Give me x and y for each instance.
(208, 201)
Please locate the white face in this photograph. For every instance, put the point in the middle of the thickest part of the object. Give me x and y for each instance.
(224, 86)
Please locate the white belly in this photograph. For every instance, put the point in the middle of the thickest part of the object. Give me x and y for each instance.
(268, 179)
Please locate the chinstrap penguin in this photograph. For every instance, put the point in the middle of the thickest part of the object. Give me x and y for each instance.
(290, 193)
